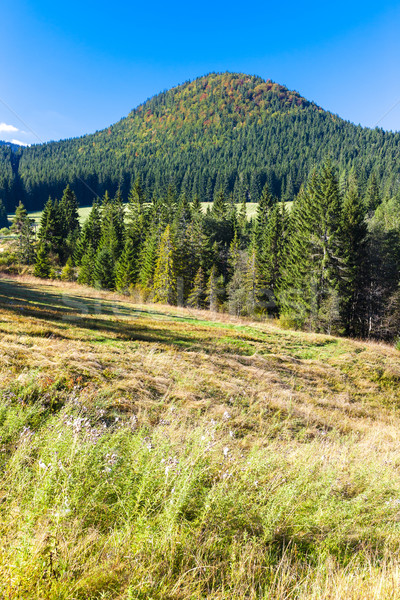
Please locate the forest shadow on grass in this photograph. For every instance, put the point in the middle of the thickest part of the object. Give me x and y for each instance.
(88, 313)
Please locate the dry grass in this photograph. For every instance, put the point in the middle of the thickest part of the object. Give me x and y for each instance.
(310, 423)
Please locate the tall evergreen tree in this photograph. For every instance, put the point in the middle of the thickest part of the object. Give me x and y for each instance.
(373, 195)
(90, 235)
(42, 264)
(22, 226)
(50, 230)
(112, 225)
(312, 269)
(104, 268)
(197, 295)
(148, 258)
(353, 231)
(219, 208)
(214, 289)
(69, 215)
(165, 284)
(127, 268)
(86, 272)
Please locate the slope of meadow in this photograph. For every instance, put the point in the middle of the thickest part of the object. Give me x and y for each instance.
(150, 452)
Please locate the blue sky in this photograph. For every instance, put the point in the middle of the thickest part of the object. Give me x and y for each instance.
(70, 68)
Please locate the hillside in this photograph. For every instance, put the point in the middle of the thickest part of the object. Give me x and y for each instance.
(152, 452)
(231, 130)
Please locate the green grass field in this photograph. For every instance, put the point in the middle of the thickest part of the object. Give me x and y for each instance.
(152, 452)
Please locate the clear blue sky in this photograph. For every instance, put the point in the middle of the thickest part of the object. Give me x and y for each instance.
(69, 68)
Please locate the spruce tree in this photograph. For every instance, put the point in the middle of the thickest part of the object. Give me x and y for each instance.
(271, 254)
(147, 258)
(373, 195)
(214, 289)
(196, 207)
(91, 233)
(68, 272)
(234, 253)
(86, 271)
(112, 225)
(127, 268)
(50, 230)
(20, 217)
(313, 264)
(252, 286)
(264, 206)
(104, 269)
(69, 215)
(196, 298)
(165, 283)
(219, 208)
(42, 263)
(22, 226)
(353, 232)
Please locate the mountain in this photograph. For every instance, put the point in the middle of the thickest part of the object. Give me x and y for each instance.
(225, 130)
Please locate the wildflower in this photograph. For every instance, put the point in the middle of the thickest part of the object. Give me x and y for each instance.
(226, 451)
(226, 416)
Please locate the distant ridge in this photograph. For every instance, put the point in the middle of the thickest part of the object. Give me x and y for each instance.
(228, 130)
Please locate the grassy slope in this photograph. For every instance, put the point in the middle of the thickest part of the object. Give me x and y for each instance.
(156, 452)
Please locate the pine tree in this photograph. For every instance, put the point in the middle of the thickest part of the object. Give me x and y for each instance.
(22, 225)
(312, 269)
(127, 268)
(234, 254)
(242, 221)
(214, 289)
(252, 286)
(197, 296)
(196, 207)
(104, 268)
(219, 208)
(50, 230)
(112, 225)
(373, 195)
(165, 284)
(42, 264)
(264, 206)
(69, 223)
(68, 272)
(353, 231)
(147, 258)
(272, 252)
(236, 288)
(91, 233)
(20, 217)
(86, 271)
(69, 215)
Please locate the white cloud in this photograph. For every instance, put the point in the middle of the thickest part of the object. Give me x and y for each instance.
(19, 143)
(4, 128)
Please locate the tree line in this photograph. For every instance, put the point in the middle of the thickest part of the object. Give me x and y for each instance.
(329, 264)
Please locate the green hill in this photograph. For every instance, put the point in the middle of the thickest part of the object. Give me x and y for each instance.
(231, 130)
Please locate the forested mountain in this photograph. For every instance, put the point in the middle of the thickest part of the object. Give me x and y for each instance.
(229, 130)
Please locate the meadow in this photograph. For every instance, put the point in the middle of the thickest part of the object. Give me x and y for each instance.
(150, 452)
